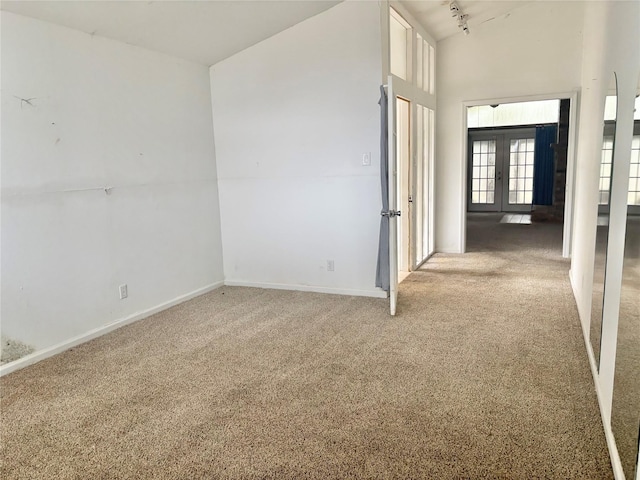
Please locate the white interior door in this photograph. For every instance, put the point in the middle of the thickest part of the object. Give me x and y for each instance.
(393, 198)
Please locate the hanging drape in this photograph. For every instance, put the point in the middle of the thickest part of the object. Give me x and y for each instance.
(382, 270)
(544, 165)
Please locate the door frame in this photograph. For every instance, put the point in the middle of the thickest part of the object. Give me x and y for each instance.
(428, 187)
(393, 184)
(567, 228)
(404, 184)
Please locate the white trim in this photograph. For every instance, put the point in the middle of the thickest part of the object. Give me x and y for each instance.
(392, 172)
(520, 98)
(570, 179)
(374, 293)
(571, 159)
(432, 182)
(385, 40)
(97, 332)
(574, 289)
(462, 244)
(614, 456)
(398, 16)
(616, 238)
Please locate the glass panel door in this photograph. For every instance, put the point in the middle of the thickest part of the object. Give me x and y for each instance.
(484, 178)
(519, 171)
(501, 170)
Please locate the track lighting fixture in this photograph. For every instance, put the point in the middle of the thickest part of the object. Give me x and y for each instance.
(457, 13)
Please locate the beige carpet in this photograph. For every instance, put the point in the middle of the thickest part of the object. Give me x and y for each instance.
(483, 374)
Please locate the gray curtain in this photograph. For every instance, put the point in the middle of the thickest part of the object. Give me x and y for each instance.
(382, 271)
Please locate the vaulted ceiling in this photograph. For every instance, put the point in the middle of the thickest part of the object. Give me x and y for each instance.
(202, 31)
(207, 31)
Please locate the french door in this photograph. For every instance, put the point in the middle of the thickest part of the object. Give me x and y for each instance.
(500, 170)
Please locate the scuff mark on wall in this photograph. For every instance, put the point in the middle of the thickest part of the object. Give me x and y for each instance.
(27, 101)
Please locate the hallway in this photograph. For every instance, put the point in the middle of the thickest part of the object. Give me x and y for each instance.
(506, 320)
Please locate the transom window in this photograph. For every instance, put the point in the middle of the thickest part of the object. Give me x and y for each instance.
(400, 41)
(411, 52)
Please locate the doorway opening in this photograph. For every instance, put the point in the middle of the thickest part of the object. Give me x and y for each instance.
(403, 155)
(414, 132)
(517, 163)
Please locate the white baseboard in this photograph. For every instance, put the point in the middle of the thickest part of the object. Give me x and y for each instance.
(374, 292)
(97, 332)
(616, 464)
(584, 327)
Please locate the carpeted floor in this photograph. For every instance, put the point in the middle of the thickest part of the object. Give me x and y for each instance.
(483, 374)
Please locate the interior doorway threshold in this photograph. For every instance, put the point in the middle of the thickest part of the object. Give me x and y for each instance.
(402, 275)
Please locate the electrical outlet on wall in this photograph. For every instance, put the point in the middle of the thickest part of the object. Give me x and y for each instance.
(124, 291)
(330, 266)
(366, 159)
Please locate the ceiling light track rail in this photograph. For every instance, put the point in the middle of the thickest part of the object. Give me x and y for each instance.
(460, 16)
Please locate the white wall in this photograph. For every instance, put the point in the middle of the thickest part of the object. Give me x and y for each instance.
(102, 114)
(292, 117)
(535, 50)
(606, 50)
(595, 84)
(613, 45)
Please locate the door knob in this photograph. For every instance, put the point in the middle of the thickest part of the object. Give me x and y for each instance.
(390, 213)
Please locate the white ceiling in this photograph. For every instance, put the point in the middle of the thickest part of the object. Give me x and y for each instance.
(435, 17)
(207, 31)
(202, 31)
